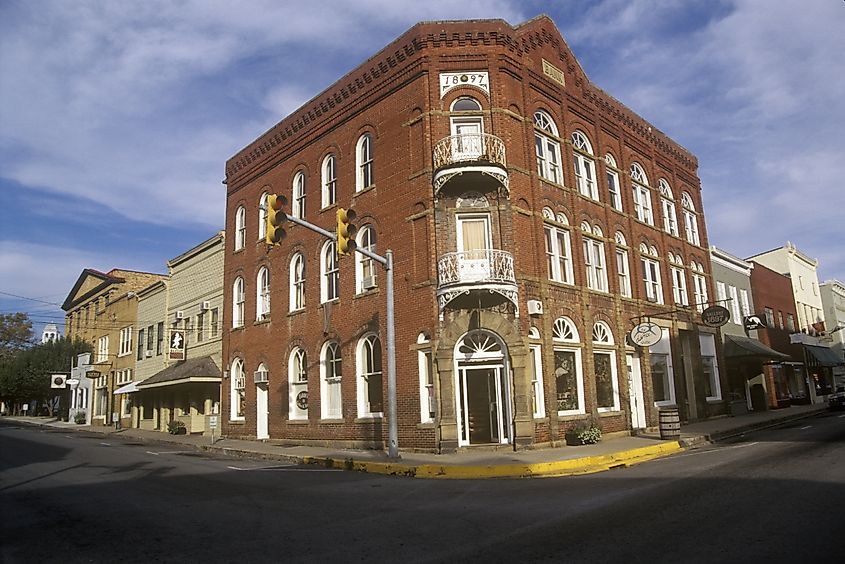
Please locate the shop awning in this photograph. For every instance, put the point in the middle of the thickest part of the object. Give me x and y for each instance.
(127, 389)
(825, 355)
(194, 370)
(743, 347)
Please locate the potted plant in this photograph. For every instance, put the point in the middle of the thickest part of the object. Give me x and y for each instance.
(176, 427)
(585, 432)
(79, 418)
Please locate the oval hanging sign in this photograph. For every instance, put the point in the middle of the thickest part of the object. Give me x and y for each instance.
(646, 334)
(715, 316)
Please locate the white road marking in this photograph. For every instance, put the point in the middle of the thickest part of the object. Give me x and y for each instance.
(284, 467)
(709, 451)
(805, 427)
(169, 452)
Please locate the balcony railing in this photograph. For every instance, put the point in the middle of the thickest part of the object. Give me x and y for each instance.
(469, 148)
(488, 265)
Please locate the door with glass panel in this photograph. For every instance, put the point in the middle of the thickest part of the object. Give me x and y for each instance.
(635, 390)
(468, 139)
(474, 244)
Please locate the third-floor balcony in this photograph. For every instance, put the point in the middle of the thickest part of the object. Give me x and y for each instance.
(479, 278)
(478, 158)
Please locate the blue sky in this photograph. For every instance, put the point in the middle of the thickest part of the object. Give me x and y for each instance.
(116, 118)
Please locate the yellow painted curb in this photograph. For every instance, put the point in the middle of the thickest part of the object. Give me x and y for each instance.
(586, 465)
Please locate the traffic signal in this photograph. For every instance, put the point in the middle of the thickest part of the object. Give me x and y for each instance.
(346, 231)
(276, 218)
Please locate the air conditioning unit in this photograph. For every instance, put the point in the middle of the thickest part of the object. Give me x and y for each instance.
(261, 376)
(535, 307)
(180, 314)
(148, 353)
(368, 283)
(206, 305)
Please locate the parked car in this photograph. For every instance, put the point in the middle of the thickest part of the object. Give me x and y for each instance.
(837, 400)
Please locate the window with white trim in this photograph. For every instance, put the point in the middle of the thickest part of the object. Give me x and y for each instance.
(712, 386)
(297, 282)
(690, 219)
(331, 399)
(623, 269)
(538, 399)
(240, 228)
(547, 147)
(735, 312)
(262, 294)
(329, 168)
(569, 378)
(238, 299)
(329, 273)
(298, 209)
(125, 344)
(558, 247)
(662, 379)
(428, 402)
(679, 280)
(699, 284)
(585, 166)
(604, 367)
(652, 284)
(237, 391)
(370, 387)
(262, 215)
(364, 162)
(613, 186)
(745, 303)
(594, 259)
(124, 376)
(298, 384)
(365, 271)
(642, 194)
(667, 203)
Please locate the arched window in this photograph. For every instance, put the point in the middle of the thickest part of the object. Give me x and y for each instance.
(329, 180)
(538, 395)
(642, 194)
(623, 269)
(558, 247)
(262, 296)
(365, 272)
(428, 400)
(667, 203)
(585, 166)
(547, 147)
(297, 282)
(331, 399)
(329, 273)
(690, 219)
(299, 195)
(238, 390)
(298, 384)
(613, 187)
(652, 283)
(569, 378)
(370, 389)
(364, 162)
(262, 215)
(240, 228)
(604, 367)
(466, 104)
(594, 258)
(238, 299)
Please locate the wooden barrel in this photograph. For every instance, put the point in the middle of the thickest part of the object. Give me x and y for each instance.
(670, 424)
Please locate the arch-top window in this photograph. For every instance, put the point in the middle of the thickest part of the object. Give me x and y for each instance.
(297, 282)
(298, 384)
(238, 299)
(547, 147)
(240, 228)
(466, 104)
(299, 195)
(569, 379)
(331, 404)
(237, 396)
(602, 335)
(585, 166)
(262, 297)
(623, 269)
(428, 398)
(564, 330)
(594, 258)
(329, 196)
(690, 219)
(370, 389)
(480, 345)
(558, 248)
(364, 162)
(262, 215)
(667, 204)
(365, 271)
(613, 187)
(604, 367)
(329, 273)
(642, 195)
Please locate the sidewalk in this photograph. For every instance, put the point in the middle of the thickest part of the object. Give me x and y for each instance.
(470, 463)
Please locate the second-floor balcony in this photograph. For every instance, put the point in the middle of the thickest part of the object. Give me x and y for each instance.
(479, 278)
(481, 156)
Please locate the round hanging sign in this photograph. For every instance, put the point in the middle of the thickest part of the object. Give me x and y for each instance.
(715, 316)
(646, 334)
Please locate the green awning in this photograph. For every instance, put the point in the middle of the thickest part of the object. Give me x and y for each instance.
(825, 355)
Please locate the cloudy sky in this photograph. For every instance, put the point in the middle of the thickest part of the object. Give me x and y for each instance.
(116, 117)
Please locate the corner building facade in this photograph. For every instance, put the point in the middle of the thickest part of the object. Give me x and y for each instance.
(533, 220)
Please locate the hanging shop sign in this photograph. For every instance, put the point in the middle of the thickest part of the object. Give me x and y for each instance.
(715, 316)
(646, 334)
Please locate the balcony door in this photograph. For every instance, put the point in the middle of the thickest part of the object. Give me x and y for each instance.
(467, 145)
(474, 244)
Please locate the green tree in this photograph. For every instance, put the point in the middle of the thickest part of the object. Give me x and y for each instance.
(15, 333)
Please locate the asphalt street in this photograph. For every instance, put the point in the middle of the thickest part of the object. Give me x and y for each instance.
(775, 495)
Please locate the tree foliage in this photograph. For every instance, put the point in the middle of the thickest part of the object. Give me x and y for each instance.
(15, 333)
(25, 376)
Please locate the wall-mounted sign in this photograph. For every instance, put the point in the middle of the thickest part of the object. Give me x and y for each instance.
(753, 322)
(58, 381)
(715, 316)
(646, 334)
(450, 80)
(177, 345)
(302, 399)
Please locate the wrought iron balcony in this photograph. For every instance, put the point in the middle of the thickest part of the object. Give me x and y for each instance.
(478, 153)
(482, 278)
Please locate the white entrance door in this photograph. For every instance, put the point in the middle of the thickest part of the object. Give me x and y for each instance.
(483, 406)
(474, 242)
(468, 139)
(635, 390)
(262, 412)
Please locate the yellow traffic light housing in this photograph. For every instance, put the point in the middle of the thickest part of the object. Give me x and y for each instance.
(276, 218)
(346, 231)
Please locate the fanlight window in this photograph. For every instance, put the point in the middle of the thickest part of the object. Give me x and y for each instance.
(686, 201)
(602, 334)
(480, 344)
(466, 105)
(564, 330)
(638, 174)
(620, 239)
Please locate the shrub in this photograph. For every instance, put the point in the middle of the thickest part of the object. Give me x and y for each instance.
(176, 428)
(584, 433)
(79, 418)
